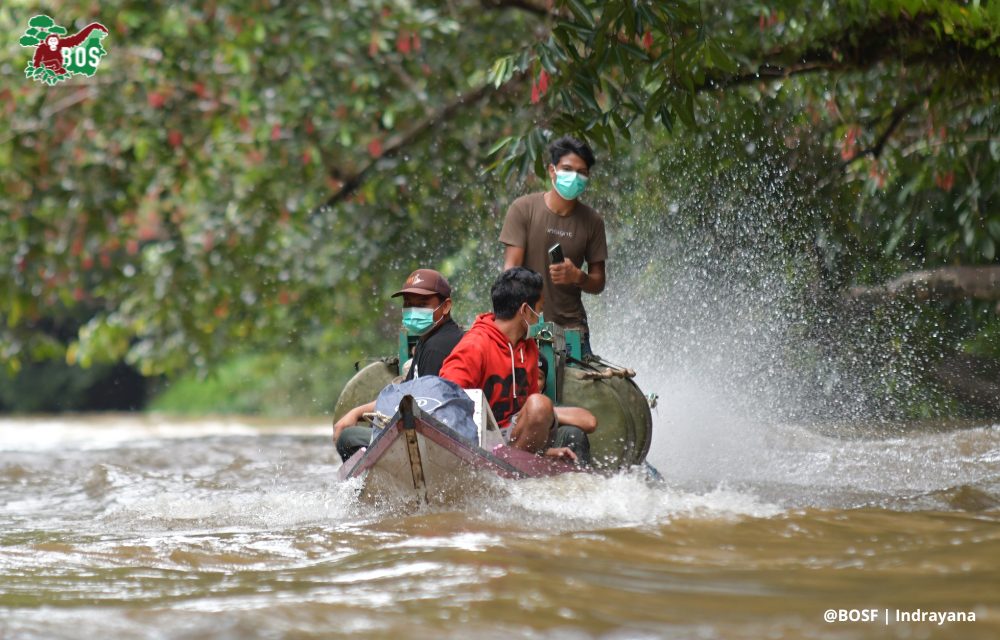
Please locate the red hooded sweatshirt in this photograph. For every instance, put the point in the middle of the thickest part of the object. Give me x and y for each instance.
(485, 359)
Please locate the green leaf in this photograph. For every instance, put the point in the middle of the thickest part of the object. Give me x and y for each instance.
(621, 124)
(503, 142)
(634, 51)
(535, 143)
(719, 58)
(988, 248)
(581, 12)
(28, 41)
(666, 118)
(581, 31)
(585, 92)
(501, 71)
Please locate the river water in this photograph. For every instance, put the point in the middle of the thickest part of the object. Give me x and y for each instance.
(142, 527)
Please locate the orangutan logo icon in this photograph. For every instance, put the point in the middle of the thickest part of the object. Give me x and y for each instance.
(58, 57)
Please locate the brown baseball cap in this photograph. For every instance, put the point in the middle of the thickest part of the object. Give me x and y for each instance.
(426, 282)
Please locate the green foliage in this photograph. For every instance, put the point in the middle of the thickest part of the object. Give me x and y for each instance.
(182, 192)
(264, 384)
(877, 80)
(257, 177)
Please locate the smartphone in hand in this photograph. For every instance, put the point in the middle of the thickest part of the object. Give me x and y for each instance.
(556, 254)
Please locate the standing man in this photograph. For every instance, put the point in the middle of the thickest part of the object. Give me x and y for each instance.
(537, 221)
(497, 356)
(426, 313)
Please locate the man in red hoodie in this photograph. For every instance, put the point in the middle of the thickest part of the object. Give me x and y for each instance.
(497, 356)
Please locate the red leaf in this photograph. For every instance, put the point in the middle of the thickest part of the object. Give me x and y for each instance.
(175, 138)
(403, 42)
(945, 181)
(276, 132)
(535, 97)
(310, 128)
(244, 124)
(199, 90)
(307, 157)
(87, 263)
(647, 40)
(132, 246)
(373, 44)
(543, 82)
(155, 99)
(831, 108)
(375, 148)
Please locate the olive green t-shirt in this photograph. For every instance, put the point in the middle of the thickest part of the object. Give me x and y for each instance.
(530, 224)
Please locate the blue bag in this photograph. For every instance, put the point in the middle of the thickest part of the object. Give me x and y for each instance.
(442, 399)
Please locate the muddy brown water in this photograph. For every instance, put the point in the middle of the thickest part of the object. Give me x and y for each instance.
(144, 527)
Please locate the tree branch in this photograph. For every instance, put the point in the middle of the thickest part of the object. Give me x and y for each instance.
(396, 144)
(860, 50)
(944, 283)
(898, 114)
(522, 5)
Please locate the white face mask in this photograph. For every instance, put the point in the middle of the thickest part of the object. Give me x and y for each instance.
(527, 325)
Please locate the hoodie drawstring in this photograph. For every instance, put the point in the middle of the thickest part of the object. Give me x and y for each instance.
(513, 372)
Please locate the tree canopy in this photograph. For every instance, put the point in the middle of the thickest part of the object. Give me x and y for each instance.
(242, 175)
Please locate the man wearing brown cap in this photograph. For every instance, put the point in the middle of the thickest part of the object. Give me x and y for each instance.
(426, 313)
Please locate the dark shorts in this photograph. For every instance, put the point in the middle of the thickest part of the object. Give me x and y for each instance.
(351, 439)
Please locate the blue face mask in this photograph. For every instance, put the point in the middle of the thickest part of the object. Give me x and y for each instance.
(418, 320)
(570, 184)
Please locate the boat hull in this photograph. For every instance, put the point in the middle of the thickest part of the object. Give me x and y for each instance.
(417, 459)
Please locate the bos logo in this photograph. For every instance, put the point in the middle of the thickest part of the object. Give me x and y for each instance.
(427, 404)
(59, 56)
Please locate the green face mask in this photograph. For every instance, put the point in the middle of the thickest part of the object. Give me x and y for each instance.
(570, 184)
(418, 320)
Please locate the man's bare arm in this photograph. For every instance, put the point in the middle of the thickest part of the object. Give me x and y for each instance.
(512, 257)
(577, 417)
(352, 418)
